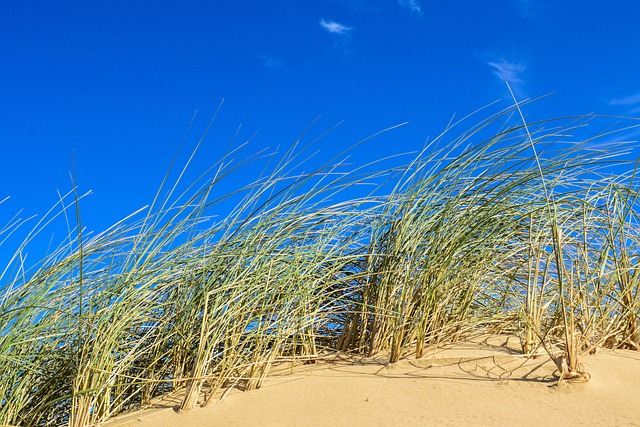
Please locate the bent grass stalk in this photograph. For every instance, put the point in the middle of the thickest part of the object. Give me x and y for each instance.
(466, 241)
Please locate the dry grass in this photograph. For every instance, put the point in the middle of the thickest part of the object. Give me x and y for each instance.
(511, 229)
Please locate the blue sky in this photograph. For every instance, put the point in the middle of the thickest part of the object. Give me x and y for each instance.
(117, 82)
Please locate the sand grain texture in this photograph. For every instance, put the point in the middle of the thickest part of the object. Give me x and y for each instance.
(471, 383)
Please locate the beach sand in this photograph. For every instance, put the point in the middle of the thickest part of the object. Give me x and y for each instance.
(480, 382)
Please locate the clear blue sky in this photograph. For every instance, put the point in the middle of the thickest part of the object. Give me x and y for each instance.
(118, 81)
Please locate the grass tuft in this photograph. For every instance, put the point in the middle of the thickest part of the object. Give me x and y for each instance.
(508, 227)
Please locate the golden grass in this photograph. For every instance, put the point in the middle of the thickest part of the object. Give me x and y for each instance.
(509, 230)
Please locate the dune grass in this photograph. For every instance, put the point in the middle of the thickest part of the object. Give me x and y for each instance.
(510, 226)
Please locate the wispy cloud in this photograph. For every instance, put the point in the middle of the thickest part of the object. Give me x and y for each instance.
(507, 68)
(413, 6)
(629, 100)
(508, 71)
(334, 27)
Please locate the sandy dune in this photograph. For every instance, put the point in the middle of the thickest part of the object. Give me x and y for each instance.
(484, 382)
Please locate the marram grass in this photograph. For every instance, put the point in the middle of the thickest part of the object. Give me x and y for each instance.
(507, 227)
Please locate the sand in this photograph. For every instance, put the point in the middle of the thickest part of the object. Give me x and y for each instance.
(482, 382)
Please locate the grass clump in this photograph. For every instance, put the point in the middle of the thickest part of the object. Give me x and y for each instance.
(515, 229)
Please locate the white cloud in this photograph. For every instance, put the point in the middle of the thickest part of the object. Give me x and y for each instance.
(508, 71)
(629, 100)
(334, 27)
(413, 6)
